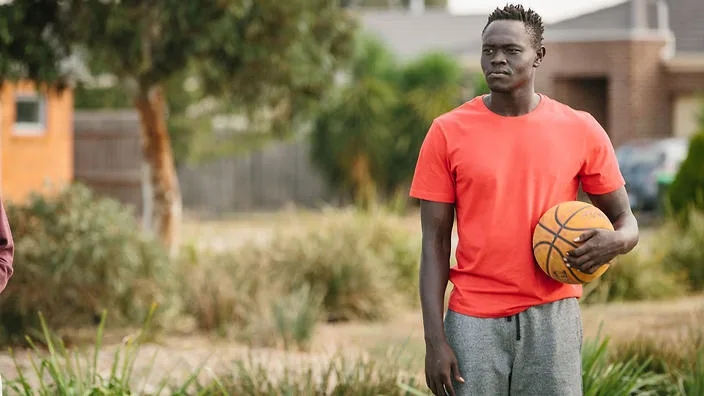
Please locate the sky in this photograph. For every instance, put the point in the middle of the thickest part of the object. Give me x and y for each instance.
(550, 10)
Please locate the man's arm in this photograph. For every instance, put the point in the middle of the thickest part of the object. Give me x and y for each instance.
(440, 361)
(436, 222)
(7, 249)
(600, 246)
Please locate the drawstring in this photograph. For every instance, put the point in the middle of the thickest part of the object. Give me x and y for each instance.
(518, 325)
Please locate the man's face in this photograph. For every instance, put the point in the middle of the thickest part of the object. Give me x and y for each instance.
(508, 57)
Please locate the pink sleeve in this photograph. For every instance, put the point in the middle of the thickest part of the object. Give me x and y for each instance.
(7, 249)
(600, 173)
(433, 179)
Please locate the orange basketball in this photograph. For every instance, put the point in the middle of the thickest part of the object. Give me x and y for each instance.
(554, 236)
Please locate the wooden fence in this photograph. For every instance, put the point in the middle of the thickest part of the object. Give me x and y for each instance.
(107, 154)
(265, 179)
(108, 159)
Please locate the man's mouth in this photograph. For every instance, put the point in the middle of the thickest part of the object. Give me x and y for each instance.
(498, 73)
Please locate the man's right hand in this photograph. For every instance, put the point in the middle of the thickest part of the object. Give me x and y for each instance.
(440, 367)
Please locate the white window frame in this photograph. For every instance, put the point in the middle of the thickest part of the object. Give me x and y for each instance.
(31, 128)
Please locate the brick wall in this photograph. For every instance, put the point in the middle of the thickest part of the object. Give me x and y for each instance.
(41, 160)
(638, 102)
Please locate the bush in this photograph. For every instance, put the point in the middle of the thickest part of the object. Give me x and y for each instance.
(687, 190)
(354, 265)
(76, 255)
(602, 377)
(683, 244)
(636, 276)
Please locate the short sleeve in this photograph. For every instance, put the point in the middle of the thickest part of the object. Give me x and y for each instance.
(600, 173)
(433, 179)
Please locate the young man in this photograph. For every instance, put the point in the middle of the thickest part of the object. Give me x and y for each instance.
(500, 161)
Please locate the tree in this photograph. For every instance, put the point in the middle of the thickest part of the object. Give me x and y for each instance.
(271, 58)
(367, 139)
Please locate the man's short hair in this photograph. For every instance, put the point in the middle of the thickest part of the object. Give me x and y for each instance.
(516, 12)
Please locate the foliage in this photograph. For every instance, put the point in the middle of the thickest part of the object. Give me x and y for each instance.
(351, 266)
(683, 245)
(271, 59)
(638, 275)
(79, 254)
(601, 377)
(65, 373)
(687, 190)
(340, 376)
(367, 138)
(679, 358)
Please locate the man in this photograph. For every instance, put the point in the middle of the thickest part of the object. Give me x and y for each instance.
(500, 161)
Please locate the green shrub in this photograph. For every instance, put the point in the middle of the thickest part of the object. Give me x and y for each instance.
(687, 190)
(603, 377)
(639, 275)
(76, 255)
(365, 263)
(683, 244)
(361, 266)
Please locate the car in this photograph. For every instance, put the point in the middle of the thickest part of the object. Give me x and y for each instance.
(649, 164)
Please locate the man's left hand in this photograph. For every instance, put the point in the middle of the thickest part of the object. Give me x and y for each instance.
(598, 247)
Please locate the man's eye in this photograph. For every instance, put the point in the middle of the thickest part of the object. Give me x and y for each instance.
(488, 51)
(513, 51)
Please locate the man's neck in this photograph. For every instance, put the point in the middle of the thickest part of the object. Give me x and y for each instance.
(512, 104)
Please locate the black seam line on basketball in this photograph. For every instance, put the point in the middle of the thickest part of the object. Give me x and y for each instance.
(547, 262)
(552, 245)
(581, 229)
(567, 241)
(557, 219)
(569, 268)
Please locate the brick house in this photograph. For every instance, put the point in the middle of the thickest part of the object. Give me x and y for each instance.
(637, 66)
(36, 140)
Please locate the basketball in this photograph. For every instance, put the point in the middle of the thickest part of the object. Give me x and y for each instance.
(554, 236)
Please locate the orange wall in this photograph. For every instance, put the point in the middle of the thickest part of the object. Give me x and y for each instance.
(40, 162)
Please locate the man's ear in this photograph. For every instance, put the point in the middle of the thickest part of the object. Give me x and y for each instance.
(540, 55)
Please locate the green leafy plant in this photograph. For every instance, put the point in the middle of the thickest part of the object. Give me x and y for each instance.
(80, 254)
(602, 377)
(62, 372)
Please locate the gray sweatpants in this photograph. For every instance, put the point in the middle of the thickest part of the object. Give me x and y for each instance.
(536, 352)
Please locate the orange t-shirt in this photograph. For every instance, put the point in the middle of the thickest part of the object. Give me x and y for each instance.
(502, 173)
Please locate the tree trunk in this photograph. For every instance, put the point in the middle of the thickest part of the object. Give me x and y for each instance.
(164, 202)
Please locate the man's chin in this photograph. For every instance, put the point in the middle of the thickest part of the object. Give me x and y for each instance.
(500, 88)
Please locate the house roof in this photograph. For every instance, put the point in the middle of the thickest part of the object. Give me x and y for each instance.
(409, 34)
(687, 22)
(684, 20)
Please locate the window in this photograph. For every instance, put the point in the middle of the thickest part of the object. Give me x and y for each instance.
(29, 115)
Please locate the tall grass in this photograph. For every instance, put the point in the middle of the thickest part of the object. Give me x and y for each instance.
(349, 266)
(61, 372)
(602, 377)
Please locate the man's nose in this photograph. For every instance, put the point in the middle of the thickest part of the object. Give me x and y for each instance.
(498, 58)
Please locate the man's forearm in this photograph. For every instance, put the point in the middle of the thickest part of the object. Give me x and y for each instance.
(627, 226)
(434, 274)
